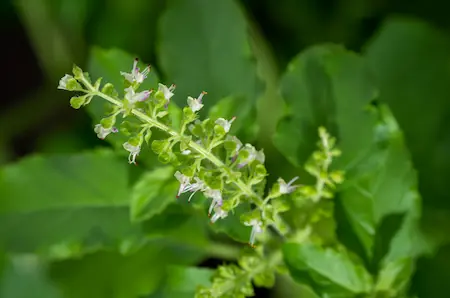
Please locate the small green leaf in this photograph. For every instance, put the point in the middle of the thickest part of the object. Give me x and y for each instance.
(109, 90)
(159, 146)
(147, 198)
(330, 272)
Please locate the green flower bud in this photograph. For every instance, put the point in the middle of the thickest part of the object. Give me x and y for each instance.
(197, 130)
(188, 115)
(135, 141)
(77, 72)
(219, 130)
(337, 176)
(108, 122)
(230, 146)
(73, 85)
(158, 146)
(160, 100)
(109, 90)
(165, 157)
(78, 101)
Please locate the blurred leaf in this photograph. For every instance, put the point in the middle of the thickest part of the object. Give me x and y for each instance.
(147, 196)
(64, 204)
(203, 46)
(326, 85)
(329, 86)
(331, 272)
(179, 223)
(246, 125)
(25, 277)
(410, 60)
(182, 282)
(109, 274)
(394, 277)
(232, 226)
(138, 35)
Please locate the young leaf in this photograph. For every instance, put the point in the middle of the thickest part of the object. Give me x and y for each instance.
(330, 272)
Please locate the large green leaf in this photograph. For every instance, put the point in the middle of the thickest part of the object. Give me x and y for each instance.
(203, 46)
(110, 274)
(24, 277)
(64, 204)
(333, 273)
(327, 85)
(408, 59)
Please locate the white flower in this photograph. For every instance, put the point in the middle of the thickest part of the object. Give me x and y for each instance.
(134, 151)
(252, 155)
(218, 214)
(196, 103)
(256, 229)
(135, 75)
(225, 123)
(187, 186)
(63, 82)
(103, 132)
(286, 188)
(216, 197)
(186, 152)
(167, 92)
(133, 97)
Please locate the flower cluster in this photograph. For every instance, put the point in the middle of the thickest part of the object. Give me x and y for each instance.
(208, 159)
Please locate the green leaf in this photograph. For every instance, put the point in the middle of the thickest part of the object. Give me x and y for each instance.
(394, 277)
(330, 272)
(64, 204)
(417, 91)
(150, 196)
(208, 39)
(182, 282)
(327, 85)
(24, 277)
(110, 274)
(232, 226)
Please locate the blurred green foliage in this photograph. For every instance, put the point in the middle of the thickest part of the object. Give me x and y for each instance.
(76, 222)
